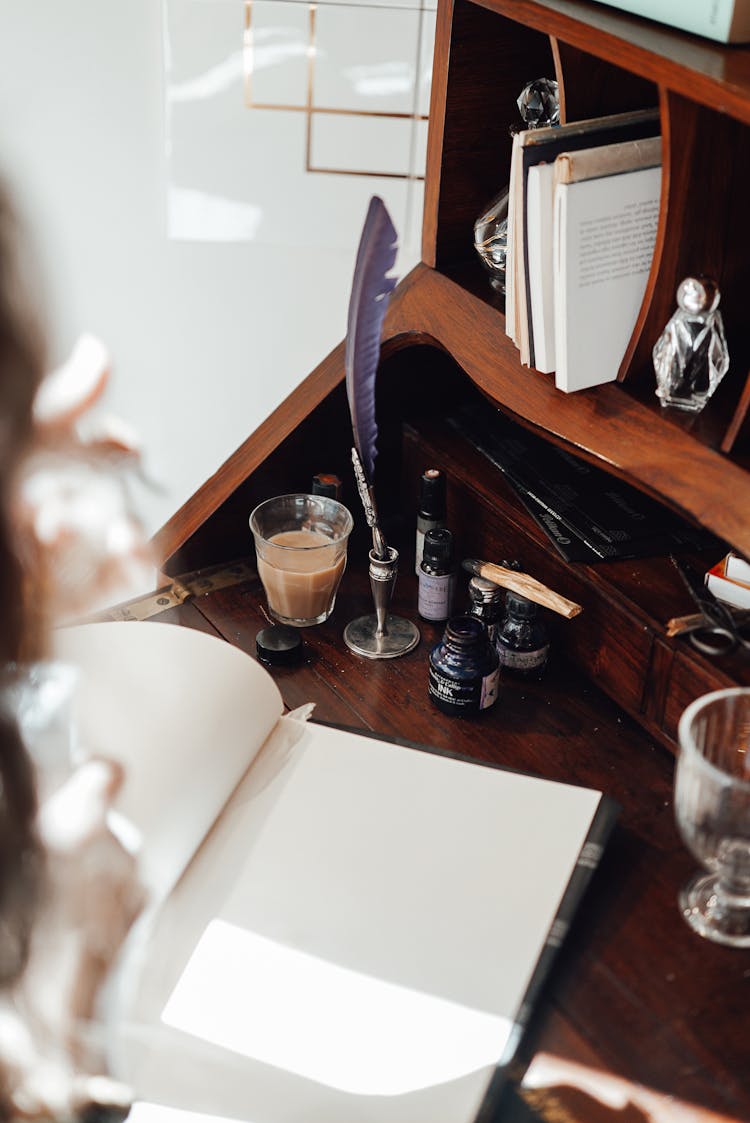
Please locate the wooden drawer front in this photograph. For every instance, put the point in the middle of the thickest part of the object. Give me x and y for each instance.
(611, 647)
(688, 681)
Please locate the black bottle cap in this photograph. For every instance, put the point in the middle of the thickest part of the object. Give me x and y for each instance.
(520, 606)
(328, 485)
(279, 645)
(432, 494)
(438, 547)
(482, 591)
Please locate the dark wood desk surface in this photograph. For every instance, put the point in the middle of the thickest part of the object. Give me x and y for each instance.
(635, 998)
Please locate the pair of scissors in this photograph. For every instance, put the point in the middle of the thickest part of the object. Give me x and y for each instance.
(718, 632)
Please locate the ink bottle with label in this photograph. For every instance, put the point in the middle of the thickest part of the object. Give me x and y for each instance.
(522, 639)
(436, 576)
(463, 676)
(486, 603)
(431, 513)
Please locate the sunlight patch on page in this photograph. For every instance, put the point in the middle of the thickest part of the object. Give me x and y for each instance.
(328, 1023)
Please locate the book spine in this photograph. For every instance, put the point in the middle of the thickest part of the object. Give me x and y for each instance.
(608, 159)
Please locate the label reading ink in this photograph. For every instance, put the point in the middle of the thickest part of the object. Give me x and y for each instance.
(476, 694)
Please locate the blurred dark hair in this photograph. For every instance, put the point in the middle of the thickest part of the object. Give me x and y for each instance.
(22, 362)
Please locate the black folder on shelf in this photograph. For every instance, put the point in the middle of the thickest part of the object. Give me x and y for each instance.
(601, 516)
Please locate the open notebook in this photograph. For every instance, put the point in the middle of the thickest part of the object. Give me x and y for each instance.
(344, 929)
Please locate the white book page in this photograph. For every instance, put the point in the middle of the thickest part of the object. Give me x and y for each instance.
(604, 237)
(728, 590)
(185, 713)
(539, 222)
(510, 290)
(737, 568)
(356, 938)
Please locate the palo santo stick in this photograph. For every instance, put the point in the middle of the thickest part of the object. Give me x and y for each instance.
(678, 625)
(524, 585)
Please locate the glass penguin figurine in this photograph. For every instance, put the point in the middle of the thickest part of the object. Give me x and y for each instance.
(690, 355)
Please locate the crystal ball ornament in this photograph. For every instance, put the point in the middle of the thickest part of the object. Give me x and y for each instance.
(539, 105)
(691, 355)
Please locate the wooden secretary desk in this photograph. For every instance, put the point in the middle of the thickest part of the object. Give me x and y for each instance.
(634, 994)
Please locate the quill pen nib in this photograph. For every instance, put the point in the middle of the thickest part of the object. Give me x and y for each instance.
(368, 502)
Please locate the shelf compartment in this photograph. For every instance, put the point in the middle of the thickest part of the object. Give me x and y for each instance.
(592, 86)
(490, 59)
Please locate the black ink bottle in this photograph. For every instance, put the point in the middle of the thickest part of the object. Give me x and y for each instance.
(463, 676)
(436, 576)
(522, 639)
(431, 513)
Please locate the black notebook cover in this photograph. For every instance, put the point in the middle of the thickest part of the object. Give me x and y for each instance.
(604, 517)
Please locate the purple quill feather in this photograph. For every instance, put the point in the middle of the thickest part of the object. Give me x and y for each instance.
(371, 288)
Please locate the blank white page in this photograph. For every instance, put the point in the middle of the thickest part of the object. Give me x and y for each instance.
(540, 195)
(354, 941)
(184, 712)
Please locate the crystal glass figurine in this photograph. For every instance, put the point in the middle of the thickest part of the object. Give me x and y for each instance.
(690, 355)
(539, 105)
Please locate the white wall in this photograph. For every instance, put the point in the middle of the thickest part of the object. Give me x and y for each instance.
(207, 338)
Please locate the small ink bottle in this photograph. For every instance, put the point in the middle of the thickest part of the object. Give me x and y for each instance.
(431, 513)
(464, 676)
(486, 603)
(522, 639)
(436, 576)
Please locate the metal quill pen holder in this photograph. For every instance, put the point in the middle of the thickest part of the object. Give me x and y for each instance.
(379, 635)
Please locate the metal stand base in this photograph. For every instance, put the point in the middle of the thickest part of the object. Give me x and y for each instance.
(361, 636)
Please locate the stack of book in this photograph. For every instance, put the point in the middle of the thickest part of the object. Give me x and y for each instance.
(582, 220)
(729, 580)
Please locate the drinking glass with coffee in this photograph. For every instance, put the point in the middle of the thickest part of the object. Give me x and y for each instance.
(300, 544)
